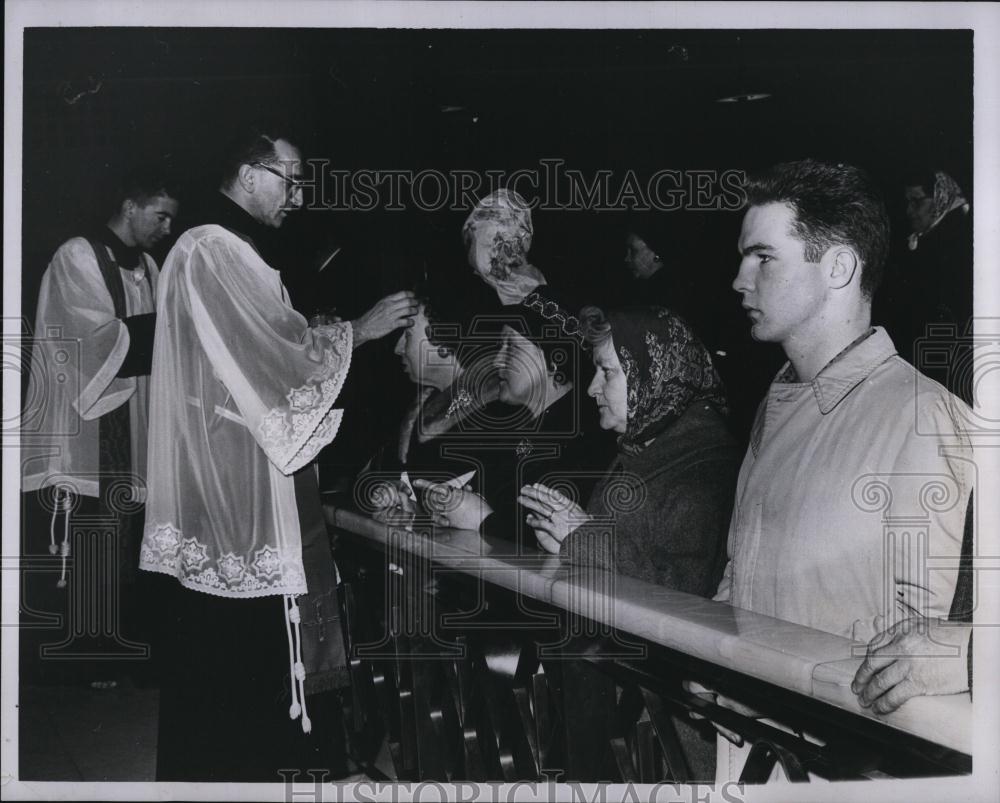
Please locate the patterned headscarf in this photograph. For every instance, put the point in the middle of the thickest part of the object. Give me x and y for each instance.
(667, 369)
(947, 197)
(504, 218)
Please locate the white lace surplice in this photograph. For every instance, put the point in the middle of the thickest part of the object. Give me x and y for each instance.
(241, 397)
(79, 346)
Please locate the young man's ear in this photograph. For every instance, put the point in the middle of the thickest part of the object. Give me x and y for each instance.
(842, 264)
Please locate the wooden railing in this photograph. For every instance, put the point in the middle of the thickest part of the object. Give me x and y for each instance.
(471, 661)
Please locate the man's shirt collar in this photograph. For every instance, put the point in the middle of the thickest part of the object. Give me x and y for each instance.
(846, 371)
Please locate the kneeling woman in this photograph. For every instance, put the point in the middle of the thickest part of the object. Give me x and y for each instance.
(440, 433)
(668, 493)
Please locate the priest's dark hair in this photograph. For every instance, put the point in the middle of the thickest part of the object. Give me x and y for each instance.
(253, 142)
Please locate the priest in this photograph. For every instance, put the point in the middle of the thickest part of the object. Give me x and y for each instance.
(243, 399)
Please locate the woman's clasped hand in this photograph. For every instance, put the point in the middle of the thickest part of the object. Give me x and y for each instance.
(553, 515)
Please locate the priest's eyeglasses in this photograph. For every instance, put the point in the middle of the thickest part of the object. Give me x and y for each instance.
(293, 183)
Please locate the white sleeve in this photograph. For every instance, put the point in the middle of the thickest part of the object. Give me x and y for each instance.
(74, 304)
(282, 375)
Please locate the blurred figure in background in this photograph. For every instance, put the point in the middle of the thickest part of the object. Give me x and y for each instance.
(497, 237)
(930, 280)
(661, 255)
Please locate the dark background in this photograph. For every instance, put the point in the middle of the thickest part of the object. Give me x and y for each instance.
(889, 101)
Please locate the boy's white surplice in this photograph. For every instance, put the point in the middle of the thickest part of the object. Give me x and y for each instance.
(79, 347)
(242, 395)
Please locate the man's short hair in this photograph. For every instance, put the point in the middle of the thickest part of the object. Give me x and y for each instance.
(833, 203)
(143, 183)
(252, 143)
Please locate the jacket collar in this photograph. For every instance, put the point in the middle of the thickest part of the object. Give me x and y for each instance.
(845, 371)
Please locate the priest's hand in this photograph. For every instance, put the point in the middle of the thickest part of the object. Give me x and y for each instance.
(553, 515)
(459, 508)
(915, 656)
(389, 314)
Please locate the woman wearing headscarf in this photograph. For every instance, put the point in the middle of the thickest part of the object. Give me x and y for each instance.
(541, 431)
(931, 281)
(497, 235)
(668, 493)
(938, 260)
(661, 511)
(929, 201)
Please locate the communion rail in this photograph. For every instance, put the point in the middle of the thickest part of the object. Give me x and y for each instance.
(470, 661)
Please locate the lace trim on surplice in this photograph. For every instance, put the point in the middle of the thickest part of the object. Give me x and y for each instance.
(167, 550)
(308, 412)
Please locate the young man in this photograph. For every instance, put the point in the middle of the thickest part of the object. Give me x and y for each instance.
(87, 400)
(849, 437)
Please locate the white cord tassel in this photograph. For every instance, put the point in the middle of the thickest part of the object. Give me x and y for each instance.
(53, 549)
(295, 708)
(300, 669)
(297, 668)
(64, 503)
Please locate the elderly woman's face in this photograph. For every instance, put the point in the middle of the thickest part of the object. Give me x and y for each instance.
(608, 388)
